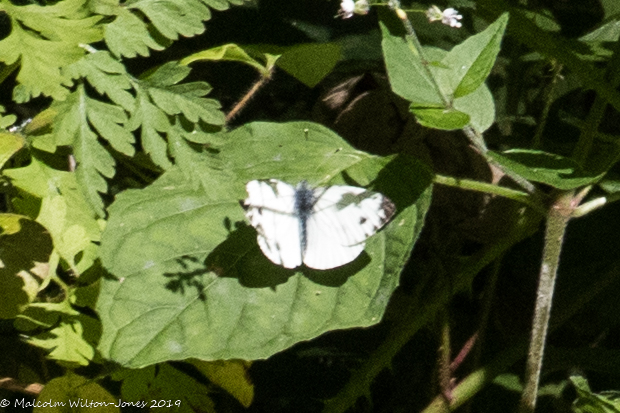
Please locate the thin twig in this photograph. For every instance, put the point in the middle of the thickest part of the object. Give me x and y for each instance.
(32, 389)
(262, 81)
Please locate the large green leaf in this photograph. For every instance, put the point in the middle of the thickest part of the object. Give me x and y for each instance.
(190, 280)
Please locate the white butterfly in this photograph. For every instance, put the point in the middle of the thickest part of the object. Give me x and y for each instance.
(322, 227)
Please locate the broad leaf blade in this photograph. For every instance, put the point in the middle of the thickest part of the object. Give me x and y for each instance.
(408, 77)
(470, 62)
(192, 282)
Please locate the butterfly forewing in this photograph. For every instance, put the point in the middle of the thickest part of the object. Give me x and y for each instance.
(270, 207)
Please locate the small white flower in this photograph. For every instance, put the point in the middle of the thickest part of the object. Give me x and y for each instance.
(449, 17)
(347, 7)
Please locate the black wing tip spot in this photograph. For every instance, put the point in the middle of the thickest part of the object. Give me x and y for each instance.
(388, 208)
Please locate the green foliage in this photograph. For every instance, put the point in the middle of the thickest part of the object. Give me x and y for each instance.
(547, 168)
(128, 35)
(66, 332)
(448, 80)
(26, 248)
(9, 145)
(125, 255)
(198, 257)
(45, 39)
(77, 390)
(589, 402)
(165, 387)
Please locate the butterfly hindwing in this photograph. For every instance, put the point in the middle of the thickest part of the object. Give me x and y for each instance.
(270, 207)
(343, 218)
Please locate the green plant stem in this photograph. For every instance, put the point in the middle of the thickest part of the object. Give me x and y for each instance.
(586, 138)
(262, 81)
(559, 215)
(487, 305)
(477, 380)
(444, 356)
(419, 313)
(485, 187)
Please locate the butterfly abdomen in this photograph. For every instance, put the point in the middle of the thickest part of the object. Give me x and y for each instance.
(304, 202)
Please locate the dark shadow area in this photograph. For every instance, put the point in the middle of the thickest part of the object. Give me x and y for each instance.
(239, 256)
(189, 276)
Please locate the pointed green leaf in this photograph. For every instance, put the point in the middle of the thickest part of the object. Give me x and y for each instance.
(408, 77)
(9, 145)
(309, 63)
(547, 168)
(228, 52)
(440, 118)
(469, 63)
